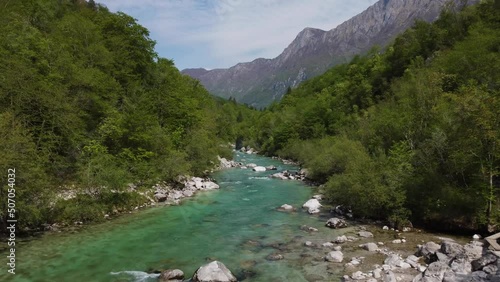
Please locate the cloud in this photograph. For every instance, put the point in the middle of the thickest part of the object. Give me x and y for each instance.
(221, 33)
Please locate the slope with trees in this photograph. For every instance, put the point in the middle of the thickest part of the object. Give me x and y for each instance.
(412, 133)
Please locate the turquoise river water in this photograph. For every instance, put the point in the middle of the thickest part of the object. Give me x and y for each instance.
(237, 225)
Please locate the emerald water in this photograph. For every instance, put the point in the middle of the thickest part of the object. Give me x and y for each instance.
(237, 225)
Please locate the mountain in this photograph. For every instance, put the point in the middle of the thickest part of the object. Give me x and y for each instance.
(313, 51)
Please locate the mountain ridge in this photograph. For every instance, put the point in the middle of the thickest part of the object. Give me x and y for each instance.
(313, 51)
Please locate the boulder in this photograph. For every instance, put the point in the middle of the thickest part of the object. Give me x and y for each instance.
(251, 165)
(312, 206)
(451, 249)
(286, 207)
(259, 169)
(175, 195)
(336, 223)
(393, 260)
(335, 256)
(160, 197)
(279, 175)
(428, 251)
(271, 167)
(473, 250)
(209, 185)
(371, 247)
(214, 271)
(358, 275)
(224, 163)
(171, 274)
(328, 245)
(483, 261)
(365, 234)
(461, 265)
(341, 239)
(434, 273)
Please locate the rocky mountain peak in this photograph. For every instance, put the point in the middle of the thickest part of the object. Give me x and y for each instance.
(313, 51)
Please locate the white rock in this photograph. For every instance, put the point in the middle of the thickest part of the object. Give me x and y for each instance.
(328, 245)
(251, 165)
(312, 205)
(371, 247)
(214, 271)
(404, 265)
(341, 239)
(335, 256)
(365, 234)
(397, 241)
(476, 237)
(337, 248)
(209, 185)
(308, 244)
(286, 207)
(358, 275)
(385, 228)
(259, 168)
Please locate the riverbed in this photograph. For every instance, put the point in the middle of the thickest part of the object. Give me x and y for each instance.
(238, 225)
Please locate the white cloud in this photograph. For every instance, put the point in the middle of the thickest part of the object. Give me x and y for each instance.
(211, 33)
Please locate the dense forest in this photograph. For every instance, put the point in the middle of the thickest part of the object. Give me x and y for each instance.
(87, 105)
(408, 133)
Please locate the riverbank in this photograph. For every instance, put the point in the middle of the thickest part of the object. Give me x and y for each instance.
(241, 225)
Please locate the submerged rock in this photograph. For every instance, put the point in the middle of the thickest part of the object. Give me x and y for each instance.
(275, 256)
(214, 271)
(286, 207)
(335, 256)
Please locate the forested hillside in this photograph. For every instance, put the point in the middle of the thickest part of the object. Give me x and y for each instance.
(86, 104)
(412, 133)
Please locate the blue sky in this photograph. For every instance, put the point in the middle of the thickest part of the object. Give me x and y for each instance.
(221, 33)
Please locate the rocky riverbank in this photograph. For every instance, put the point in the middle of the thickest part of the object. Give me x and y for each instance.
(370, 253)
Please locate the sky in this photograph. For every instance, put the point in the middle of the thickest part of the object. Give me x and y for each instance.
(221, 33)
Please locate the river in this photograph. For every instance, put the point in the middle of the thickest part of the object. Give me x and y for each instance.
(237, 225)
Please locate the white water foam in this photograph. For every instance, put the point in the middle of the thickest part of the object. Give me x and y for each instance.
(139, 276)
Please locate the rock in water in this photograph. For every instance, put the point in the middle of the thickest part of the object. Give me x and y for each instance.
(259, 168)
(213, 272)
(171, 274)
(286, 207)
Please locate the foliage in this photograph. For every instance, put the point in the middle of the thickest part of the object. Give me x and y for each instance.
(410, 133)
(87, 103)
